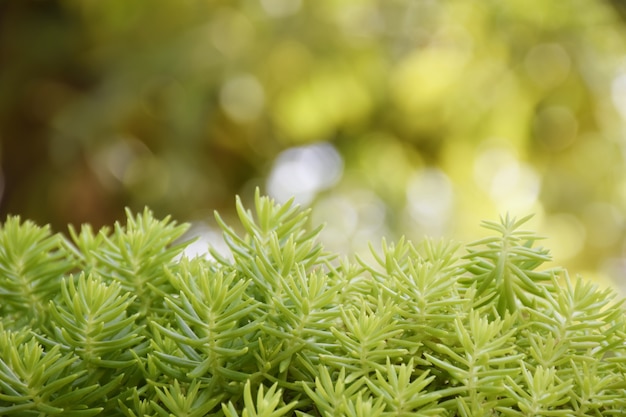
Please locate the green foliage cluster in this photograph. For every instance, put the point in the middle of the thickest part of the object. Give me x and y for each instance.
(120, 322)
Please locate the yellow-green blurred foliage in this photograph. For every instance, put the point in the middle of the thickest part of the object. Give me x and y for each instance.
(389, 117)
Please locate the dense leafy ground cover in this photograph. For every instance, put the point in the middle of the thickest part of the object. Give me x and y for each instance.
(120, 322)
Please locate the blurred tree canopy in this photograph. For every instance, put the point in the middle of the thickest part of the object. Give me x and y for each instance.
(390, 117)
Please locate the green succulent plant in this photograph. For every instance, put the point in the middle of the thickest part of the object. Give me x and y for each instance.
(120, 322)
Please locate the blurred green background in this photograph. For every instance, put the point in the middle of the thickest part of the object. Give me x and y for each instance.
(388, 117)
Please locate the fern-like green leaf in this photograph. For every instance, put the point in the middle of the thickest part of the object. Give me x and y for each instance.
(507, 265)
(32, 262)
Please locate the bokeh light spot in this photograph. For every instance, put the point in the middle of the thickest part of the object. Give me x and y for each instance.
(304, 171)
(231, 32)
(353, 218)
(242, 98)
(618, 94)
(360, 19)
(547, 64)
(425, 76)
(113, 162)
(430, 197)
(281, 8)
(512, 185)
(204, 238)
(567, 235)
(313, 108)
(340, 218)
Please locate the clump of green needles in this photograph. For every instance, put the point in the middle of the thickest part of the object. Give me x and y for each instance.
(118, 322)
